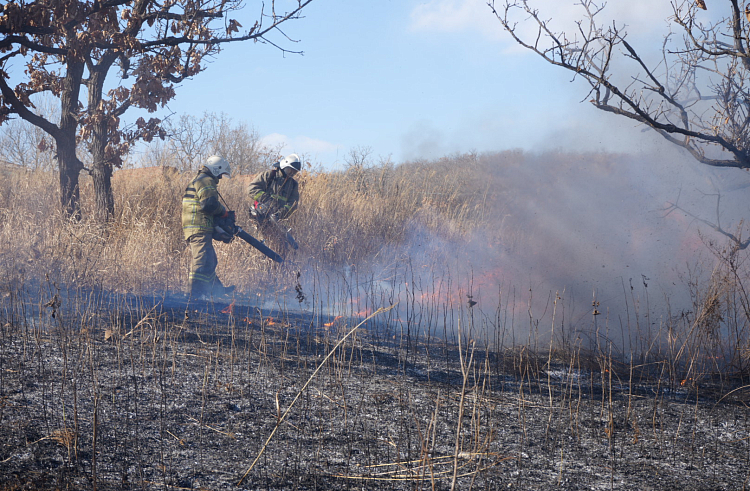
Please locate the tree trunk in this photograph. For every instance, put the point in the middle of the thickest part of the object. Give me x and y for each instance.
(70, 168)
(101, 168)
(101, 172)
(64, 133)
(65, 139)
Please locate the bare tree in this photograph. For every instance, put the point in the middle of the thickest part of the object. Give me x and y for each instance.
(191, 139)
(242, 146)
(69, 49)
(696, 94)
(26, 145)
(188, 140)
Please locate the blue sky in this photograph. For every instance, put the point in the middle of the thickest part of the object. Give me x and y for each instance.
(413, 79)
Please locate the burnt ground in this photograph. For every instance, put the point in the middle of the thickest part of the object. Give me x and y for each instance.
(115, 394)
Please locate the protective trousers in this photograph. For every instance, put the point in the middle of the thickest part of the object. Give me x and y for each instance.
(203, 262)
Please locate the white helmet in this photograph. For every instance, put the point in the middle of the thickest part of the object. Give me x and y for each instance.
(218, 166)
(291, 161)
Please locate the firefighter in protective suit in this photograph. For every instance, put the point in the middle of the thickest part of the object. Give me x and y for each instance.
(275, 192)
(200, 207)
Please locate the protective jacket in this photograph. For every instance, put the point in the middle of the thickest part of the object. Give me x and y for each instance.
(200, 205)
(277, 189)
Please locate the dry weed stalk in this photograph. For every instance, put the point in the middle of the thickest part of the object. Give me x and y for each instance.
(465, 365)
(304, 387)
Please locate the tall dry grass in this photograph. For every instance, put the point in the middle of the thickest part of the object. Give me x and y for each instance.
(370, 215)
(346, 217)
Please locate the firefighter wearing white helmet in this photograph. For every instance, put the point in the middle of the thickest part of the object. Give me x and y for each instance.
(201, 205)
(291, 163)
(275, 192)
(218, 166)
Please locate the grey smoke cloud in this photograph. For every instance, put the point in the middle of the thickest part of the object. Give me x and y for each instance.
(589, 226)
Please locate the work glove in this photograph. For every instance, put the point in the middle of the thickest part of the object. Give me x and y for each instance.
(225, 226)
(222, 235)
(226, 220)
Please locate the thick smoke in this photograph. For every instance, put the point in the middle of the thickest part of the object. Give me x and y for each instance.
(588, 228)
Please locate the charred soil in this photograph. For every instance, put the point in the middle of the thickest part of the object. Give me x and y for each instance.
(125, 394)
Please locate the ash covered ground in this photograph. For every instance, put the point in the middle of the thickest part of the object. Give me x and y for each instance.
(124, 394)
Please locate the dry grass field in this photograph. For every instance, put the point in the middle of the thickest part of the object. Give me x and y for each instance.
(367, 360)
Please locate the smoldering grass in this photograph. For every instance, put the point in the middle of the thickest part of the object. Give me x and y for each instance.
(429, 432)
(403, 402)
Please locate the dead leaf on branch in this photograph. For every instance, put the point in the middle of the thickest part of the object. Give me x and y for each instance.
(233, 26)
(43, 146)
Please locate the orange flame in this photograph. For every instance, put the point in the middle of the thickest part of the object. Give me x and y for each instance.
(330, 324)
(229, 309)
